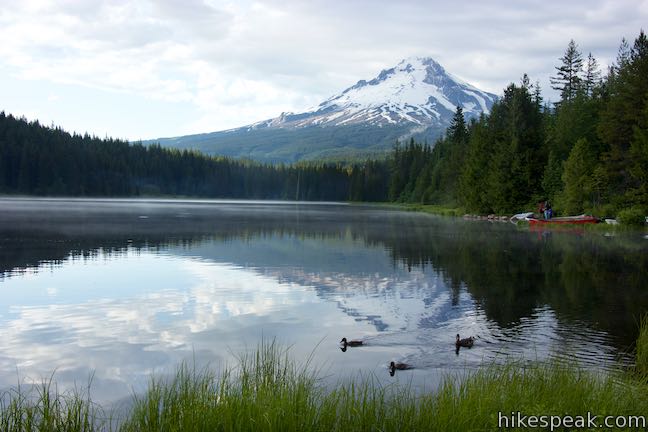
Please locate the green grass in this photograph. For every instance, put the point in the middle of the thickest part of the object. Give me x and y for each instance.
(641, 353)
(277, 398)
(44, 408)
(267, 391)
(436, 209)
(634, 216)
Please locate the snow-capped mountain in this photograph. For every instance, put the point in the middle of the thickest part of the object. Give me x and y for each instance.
(416, 98)
(417, 91)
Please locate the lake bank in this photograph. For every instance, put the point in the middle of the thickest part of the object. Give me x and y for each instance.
(427, 208)
(441, 210)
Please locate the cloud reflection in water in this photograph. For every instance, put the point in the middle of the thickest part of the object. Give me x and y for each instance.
(123, 328)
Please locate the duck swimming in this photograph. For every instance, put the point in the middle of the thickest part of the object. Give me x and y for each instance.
(351, 343)
(397, 365)
(466, 342)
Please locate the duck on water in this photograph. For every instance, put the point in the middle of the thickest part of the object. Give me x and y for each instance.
(393, 366)
(466, 342)
(350, 343)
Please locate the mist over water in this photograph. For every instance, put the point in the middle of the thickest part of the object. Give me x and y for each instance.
(122, 289)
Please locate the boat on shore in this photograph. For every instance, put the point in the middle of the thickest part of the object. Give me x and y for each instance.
(521, 217)
(572, 220)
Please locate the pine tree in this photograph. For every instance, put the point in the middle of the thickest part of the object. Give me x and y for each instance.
(552, 178)
(472, 192)
(623, 54)
(567, 79)
(457, 128)
(537, 96)
(592, 75)
(577, 173)
(627, 87)
(639, 165)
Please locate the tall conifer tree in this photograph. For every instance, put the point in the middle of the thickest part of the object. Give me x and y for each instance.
(567, 79)
(592, 75)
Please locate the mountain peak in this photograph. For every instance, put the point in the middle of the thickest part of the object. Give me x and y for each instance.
(428, 64)
(415, 98)
(419, 61)
(417, 91)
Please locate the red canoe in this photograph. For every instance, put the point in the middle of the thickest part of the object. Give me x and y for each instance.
(574, 220)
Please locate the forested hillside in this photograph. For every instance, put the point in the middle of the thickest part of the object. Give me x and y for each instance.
(588, 152)
(38, 160)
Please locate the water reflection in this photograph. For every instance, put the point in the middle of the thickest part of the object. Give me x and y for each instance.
(126, 334)
(94, 286)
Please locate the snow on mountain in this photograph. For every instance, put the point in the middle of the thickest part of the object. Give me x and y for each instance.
(417, 91)
(416, 98)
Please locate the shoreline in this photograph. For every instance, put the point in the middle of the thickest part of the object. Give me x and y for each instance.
(459, 212)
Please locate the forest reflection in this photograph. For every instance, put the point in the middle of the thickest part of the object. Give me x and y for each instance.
(509, 273)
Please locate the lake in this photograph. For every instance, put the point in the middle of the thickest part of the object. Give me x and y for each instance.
(118, 290)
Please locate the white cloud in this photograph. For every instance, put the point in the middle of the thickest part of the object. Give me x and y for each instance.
(232, 63)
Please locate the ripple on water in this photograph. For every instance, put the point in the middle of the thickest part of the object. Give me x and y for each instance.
(539, 337)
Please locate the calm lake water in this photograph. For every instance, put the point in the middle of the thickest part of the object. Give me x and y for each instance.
(122, 289)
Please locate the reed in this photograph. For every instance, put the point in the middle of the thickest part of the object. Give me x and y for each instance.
(274, 398)
(44, 408)
(641, 353)
(435, 209)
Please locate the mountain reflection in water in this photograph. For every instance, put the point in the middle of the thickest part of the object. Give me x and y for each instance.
(126, 288)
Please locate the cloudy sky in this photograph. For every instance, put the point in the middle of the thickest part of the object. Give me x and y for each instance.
(153, 68)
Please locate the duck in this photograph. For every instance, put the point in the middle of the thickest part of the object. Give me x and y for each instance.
(351, 343)
(466, 342)
(393, 366)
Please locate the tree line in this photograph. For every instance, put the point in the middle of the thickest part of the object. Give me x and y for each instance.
(587, 152)
(39, 160)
